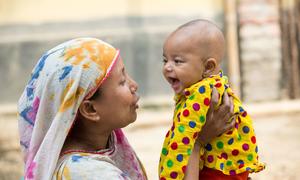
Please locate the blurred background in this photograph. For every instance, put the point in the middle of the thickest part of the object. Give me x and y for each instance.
(262, 62)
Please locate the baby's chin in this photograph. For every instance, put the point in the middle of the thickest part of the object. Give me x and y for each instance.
(179, 91)
(180, 87)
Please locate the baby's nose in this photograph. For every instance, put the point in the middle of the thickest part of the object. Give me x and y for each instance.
(168, 67)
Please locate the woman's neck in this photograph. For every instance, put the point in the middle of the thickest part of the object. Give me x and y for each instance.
(87, 140)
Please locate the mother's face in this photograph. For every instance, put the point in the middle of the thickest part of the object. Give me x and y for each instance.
(117, 102)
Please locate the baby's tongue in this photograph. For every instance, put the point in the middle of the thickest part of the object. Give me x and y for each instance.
(176, 85)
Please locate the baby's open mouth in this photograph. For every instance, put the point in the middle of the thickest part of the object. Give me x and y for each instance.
(172, 80)
(175, 83)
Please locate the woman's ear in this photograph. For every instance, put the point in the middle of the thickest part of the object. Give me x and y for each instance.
(210, 65)
(88, 111)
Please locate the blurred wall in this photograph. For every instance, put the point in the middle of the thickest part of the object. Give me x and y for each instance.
(41, 11)
(260, 49)
(137, 27)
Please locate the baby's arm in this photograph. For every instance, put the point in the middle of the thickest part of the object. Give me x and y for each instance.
(192, 118)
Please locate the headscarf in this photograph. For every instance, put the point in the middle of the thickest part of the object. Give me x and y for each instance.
(62, 78)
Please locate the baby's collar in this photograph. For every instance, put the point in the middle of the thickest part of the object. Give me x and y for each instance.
(220, 74)
(187, 92)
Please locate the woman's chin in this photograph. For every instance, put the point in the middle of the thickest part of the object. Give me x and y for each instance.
(131, 120)
(134, 118)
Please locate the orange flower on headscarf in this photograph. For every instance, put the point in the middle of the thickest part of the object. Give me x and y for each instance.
(92, 50)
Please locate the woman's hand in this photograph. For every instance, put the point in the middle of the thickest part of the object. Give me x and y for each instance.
(217, 119)
(216, 124)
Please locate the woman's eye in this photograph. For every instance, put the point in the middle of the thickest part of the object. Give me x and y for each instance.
(123, 81)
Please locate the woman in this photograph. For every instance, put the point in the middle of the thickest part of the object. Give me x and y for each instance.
(72, 111)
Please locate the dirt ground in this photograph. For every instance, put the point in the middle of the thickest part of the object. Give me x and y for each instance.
(10, 157)
(278, 137)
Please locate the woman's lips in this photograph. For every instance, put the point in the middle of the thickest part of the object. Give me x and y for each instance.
(135, 104)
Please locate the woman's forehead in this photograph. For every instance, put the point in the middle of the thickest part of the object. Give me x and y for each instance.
(119, 68)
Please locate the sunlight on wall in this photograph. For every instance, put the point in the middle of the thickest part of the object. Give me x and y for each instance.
(39, 11)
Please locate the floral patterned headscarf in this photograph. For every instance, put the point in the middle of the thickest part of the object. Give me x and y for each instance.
(62, 78)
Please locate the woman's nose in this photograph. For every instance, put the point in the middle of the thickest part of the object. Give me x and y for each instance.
(133, 85)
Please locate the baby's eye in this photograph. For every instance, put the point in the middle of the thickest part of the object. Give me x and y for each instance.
(164, 61)
(177, 61)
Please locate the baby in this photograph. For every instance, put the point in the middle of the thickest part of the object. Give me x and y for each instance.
(192, 55)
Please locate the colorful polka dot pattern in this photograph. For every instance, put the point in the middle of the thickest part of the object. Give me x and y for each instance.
(232, 153)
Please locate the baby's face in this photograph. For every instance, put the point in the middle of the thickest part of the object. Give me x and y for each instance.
(183, 64)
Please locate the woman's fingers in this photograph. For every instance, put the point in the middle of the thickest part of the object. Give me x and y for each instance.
(226, 101)
(214, 98)
(213, 104)
(226, 106)
(231, 105)
(229, 115)
(229, 125)
(226, 113)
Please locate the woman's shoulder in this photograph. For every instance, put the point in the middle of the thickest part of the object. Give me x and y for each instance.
(87, 166)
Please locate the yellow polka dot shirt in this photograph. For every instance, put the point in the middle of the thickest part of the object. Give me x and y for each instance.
(232, 153)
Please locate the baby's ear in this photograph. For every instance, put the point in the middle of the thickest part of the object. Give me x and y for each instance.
(210, 65)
